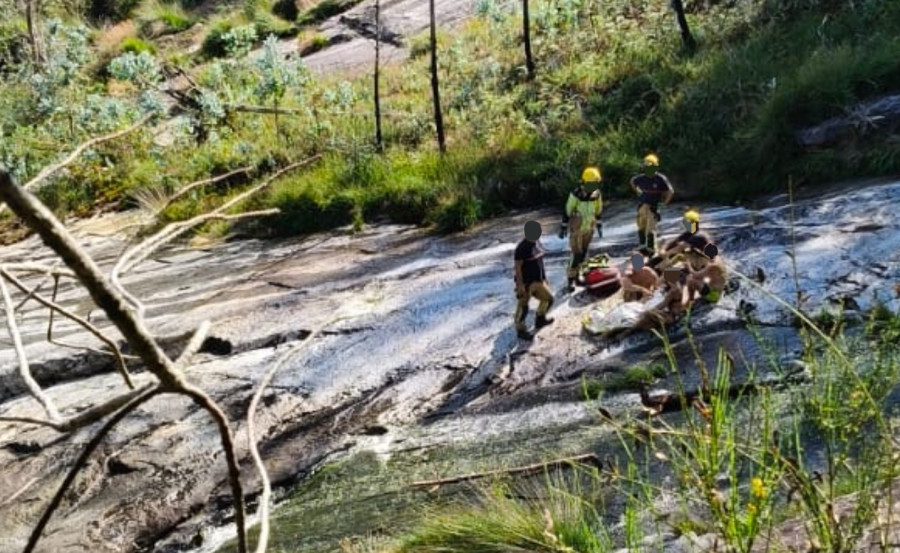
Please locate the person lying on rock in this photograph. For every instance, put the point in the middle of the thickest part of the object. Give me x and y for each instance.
(639, 282)
(674, 304)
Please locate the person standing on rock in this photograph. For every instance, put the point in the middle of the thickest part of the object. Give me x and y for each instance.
(652, 187)
(582, 213)
(531, 281)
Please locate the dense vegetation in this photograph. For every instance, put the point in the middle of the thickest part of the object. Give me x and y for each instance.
(612, 83)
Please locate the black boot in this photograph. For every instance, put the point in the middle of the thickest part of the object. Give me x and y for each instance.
(571, 286)
(651, 242)
(642, 240)
(524, 335)
(541, 321)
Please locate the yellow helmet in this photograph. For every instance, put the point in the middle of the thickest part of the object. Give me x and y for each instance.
(591, 174)
(692, 216)
(651, 159)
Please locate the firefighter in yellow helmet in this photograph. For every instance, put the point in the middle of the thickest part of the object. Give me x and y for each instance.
(580, 218)
(652, 187)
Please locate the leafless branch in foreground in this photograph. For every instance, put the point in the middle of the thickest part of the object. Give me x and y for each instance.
(24, 370)
(265, 498)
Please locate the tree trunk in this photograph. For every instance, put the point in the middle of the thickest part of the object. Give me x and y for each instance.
(435, 88)
(526, 32)
(378, 142)
(32, 13)
(686, 37)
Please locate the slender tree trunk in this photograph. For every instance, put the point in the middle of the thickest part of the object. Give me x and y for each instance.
(32, 13)
(526, 32)
(686, 37)
(378, 142)
(435, 88)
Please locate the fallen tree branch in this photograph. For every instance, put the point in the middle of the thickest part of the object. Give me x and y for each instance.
(588, 458)
(24, 370)
(85, 418)
(53, 306)
(198, 184)
(82, 459)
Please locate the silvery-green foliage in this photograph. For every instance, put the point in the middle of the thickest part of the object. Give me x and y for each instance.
(240, 40)
(151, 102)
(100, 113)
(67, 51)
(140, 69)
(277, 74)
(210, 106)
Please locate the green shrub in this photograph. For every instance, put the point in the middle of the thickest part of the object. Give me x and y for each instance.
(317, 43)
(137, 46)
(459, 213)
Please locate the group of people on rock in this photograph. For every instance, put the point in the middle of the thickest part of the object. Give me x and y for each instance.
(686, 268)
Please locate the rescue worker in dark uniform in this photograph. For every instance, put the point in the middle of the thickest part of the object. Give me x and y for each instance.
(531, 281)
(652, 187)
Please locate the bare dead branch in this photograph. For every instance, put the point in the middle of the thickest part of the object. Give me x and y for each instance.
(54, 307)
(528, 469)
(47, 171)
(194, 345)
(20, 491)
(234, 475)
(92, 415)
(265, 498)
(194, 185)
(24, 369)
(82, 459)
(54, 234)
(36, 268)
(30, 295)
(30, 420)
(85, 418)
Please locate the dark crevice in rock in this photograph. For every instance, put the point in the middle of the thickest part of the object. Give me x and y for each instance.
(366, 29)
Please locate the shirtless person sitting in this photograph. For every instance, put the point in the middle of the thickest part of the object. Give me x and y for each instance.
(640, 281)
(707, 276)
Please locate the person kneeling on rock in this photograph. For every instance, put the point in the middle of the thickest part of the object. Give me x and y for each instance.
(531, 281)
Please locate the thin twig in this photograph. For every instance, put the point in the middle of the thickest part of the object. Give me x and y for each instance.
(263, 540)
(48, 270)
(79, 463)
(85, 418)
(54, 307)
(24, 369)
(47, 171)
(200, 183)
(22, 490)
(194, 345)
(234, 475)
